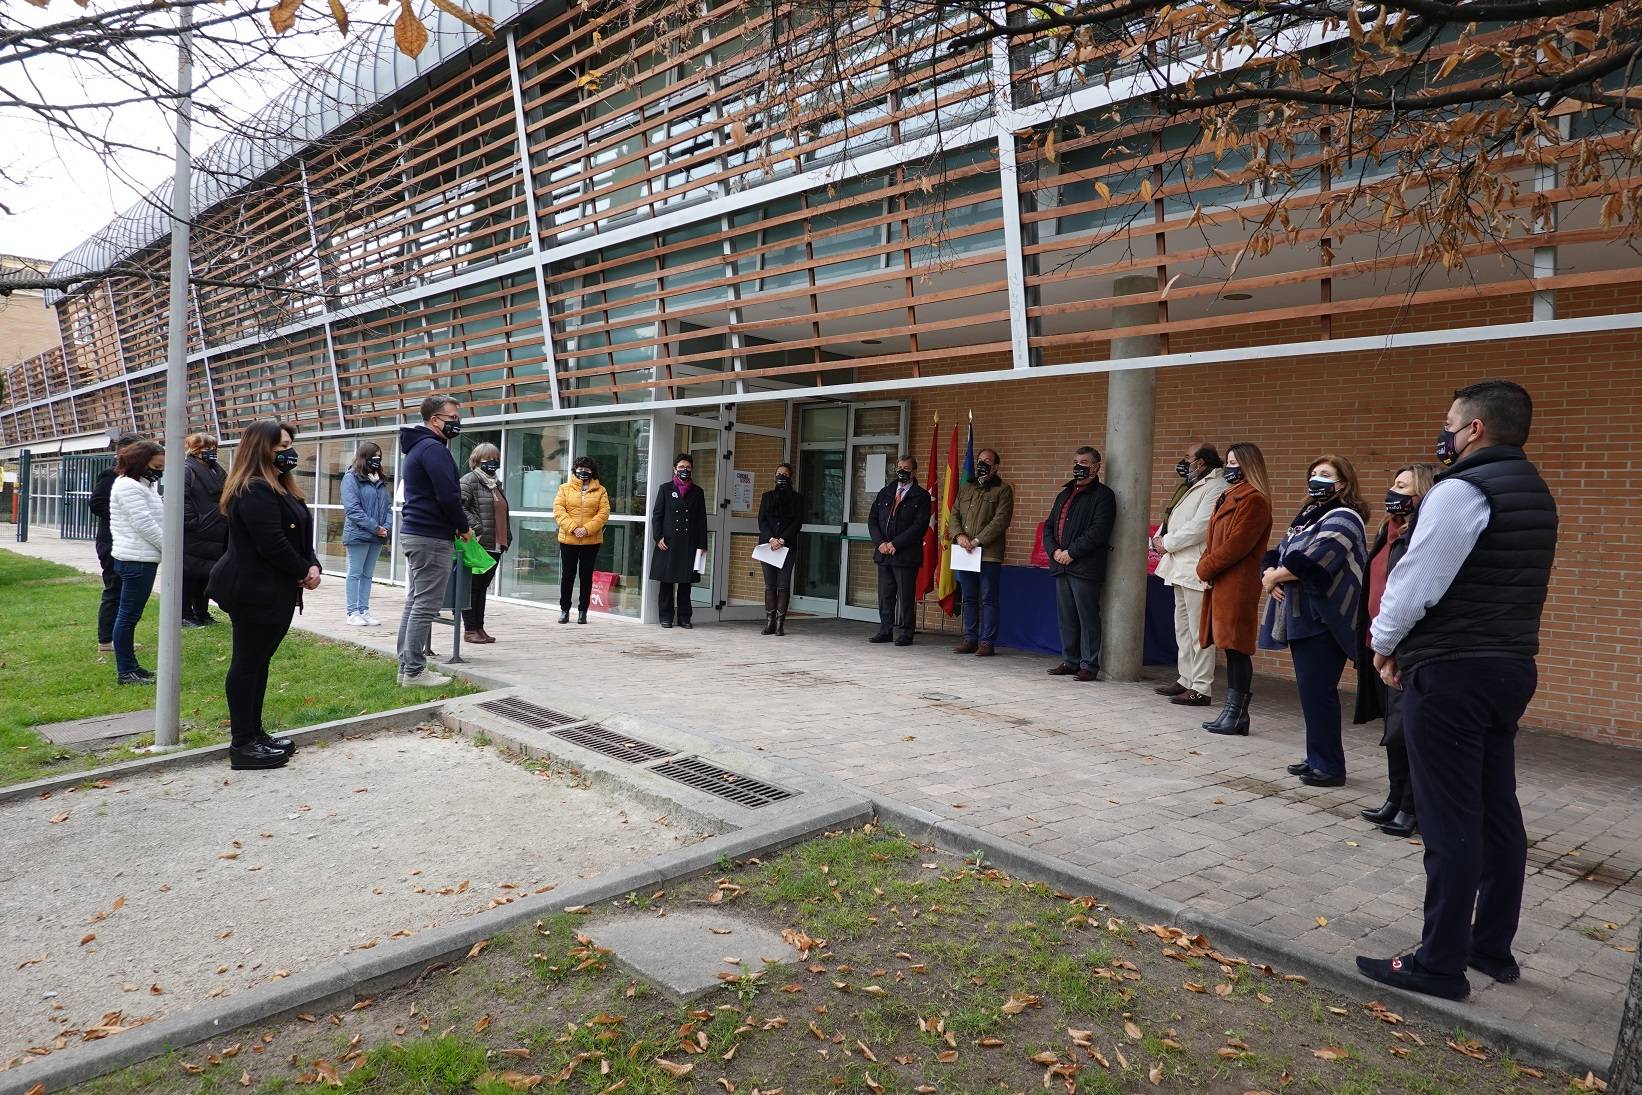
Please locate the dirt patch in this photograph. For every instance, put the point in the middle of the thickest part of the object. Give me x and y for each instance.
(162, 891)
(921, 973)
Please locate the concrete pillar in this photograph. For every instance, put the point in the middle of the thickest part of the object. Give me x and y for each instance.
(1131, 410)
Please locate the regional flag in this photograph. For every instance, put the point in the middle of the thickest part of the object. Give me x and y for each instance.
(930, 568)
(946, 587)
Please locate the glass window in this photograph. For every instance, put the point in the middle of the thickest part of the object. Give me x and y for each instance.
(821, 482)
(701, 442)
(536, 462)
(463, 444)
(530, 567)
(622, 451)
(878, 421)
(333, 557)
(823, 423)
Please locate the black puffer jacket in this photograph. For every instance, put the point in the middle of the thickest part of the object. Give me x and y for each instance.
(204, 530)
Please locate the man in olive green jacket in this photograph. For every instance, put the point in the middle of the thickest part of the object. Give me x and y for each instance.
(980, 519)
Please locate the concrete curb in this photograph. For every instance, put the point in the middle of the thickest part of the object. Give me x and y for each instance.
(1524, 1042)
(324, 731)
(338, 984)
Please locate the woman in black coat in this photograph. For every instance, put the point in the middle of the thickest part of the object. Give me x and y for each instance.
(259, 580)
(678, 525)
(780, 514)
(204, 532)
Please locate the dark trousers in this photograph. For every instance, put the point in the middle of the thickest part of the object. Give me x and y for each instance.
(136, 583)
(195, 604)
(897, 601)
(980, 592)
(674, 602)
(1239, 672)
(576, 561)
(255, 640)
(1396, 747)
(778, 580)
(1317, 665)
(473, 616)
(1460, 720)
(1077, 610)
(109, 607)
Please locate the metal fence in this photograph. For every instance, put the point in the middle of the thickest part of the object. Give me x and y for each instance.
(79, 474)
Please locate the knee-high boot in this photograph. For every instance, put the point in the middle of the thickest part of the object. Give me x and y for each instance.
(782, 600)
(769, 612)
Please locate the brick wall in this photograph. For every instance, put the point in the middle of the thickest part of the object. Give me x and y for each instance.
(27, 327)
(1381, 410)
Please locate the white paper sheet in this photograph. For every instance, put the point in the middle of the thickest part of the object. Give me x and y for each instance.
(876, 473)
(776, 557)
(700, 566)
(966, 560)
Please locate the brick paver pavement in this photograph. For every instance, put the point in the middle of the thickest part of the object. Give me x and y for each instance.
(1104, 775)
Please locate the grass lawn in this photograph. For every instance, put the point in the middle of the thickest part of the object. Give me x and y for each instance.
(50, 671)
(922, 974)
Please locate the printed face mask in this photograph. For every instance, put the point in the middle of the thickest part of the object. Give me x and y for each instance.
(683, 474)
(584, 474)
(208, 455)
(153, 475)
(374, 463)
(1319, 487)
(1234, 476)
(287, 459)
(1183, 468)
(783, 481)
(489, 466)
(1398, 504)
(902, 475)
(1080, 471)
(452, 427)
(983, 469)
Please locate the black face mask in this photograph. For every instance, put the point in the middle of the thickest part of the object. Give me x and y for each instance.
(1183, 469)
(374, 463)
(1321, 488)
(982, 470)
(1080, 472)
(782, 482)
(1447, 450)
(286, 460)
(452, 427)
(584, 474)
(1234, 476)
(489, 466)
(1398, 504)
(682, 474)
(153, 475)
(209, 455)
(902, 475)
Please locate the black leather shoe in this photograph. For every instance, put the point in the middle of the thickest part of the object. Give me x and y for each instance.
(1170, 690)
(1064, 669)
(1401, 825)
(581, 617)
(667, 623)
(904, 640)
(1379, 817)
(1313, 778)
(255, 756)
(1504, 970)
(564, 616)
(687, 625)
(1407, 973)
(881, 638)
(284, 745)
(1299, 768)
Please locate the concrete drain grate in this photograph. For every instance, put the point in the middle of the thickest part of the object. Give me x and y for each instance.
(610, 744)
(730, 786)
(526, 713)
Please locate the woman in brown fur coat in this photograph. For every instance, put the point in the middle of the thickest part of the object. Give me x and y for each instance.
(1238, 532)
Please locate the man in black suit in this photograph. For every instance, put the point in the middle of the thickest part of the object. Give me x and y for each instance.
(899, 519)
(100, 492)
(1077, 537)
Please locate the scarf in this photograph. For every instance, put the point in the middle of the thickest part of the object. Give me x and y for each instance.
(680, 486)
(502, 527)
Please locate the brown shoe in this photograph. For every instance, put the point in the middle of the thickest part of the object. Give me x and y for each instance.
(965, 647)
(485, 636)
(477, 638)
(1191, 698)
(984, 650)
(1173, 689)
(1063, 670)
(1086, 675)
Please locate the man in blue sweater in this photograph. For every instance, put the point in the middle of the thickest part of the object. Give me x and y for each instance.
(431, 519)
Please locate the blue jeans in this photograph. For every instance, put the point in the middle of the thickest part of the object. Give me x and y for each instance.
(361, 565)
(136, 583)
(981, 602)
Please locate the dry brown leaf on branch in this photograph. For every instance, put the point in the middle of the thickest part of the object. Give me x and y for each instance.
(410, 36)
(484, 24)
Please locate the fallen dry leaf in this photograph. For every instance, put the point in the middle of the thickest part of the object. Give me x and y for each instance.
(1193, 986)
(1155, 1074)
(87, 938)
(674, 1069)
(1223, 989)
(1331, 1053)
(1132, 1031)
(481, 1025)
(478, 948)
(947, 1056)
(1322, 921)
(60, 818)
(27, 962)
(1470, 1048)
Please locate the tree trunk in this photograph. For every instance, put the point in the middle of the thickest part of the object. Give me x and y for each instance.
(1625, 1074)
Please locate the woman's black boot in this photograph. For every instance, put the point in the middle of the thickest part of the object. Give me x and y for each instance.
(1234, 717)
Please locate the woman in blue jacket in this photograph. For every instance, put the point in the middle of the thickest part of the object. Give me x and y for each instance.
(367, 508)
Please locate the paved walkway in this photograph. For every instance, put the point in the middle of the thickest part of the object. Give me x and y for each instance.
(1108, 776)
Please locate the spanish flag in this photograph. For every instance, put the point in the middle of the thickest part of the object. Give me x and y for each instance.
(946, 588)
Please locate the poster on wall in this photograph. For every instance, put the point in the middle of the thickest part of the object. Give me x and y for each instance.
(741, 491)
(604, 582)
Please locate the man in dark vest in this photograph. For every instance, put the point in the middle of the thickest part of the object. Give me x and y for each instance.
(1458, 630)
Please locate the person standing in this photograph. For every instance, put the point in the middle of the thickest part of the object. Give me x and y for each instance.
(204, 535)
(1229, 567)
(1077, 537)
(1458, 631)
(581, 507)
(1180, 539)
(109, 607)
(678, 525)
(259, 580)
(367, 522)
(780, 515)
(432, 519)
(1314, 578)
(485, 504)
(897, 523)
(1375, 698)
(980, 519)
(136, 525)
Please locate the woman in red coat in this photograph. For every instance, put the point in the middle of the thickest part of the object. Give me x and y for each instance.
(1238, 532)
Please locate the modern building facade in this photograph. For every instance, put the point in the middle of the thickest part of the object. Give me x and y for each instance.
(610, 243)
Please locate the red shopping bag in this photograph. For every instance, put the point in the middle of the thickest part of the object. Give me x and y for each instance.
(603, 582)
(1040, 557)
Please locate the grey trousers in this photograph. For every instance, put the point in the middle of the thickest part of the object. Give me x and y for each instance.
(427, 570)
(1077, 606)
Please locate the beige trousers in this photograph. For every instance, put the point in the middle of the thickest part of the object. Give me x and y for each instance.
(1196, 665)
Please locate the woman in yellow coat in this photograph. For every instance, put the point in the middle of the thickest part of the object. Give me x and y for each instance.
(581, 508)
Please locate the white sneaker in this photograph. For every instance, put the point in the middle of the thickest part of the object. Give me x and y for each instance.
(357, 619)
(372, 621)
(425, 679)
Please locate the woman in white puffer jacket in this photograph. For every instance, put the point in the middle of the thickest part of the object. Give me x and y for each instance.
(136, 521)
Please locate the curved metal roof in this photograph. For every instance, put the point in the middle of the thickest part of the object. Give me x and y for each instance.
(367, 70)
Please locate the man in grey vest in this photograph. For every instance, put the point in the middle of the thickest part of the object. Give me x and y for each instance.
(1458, 631)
